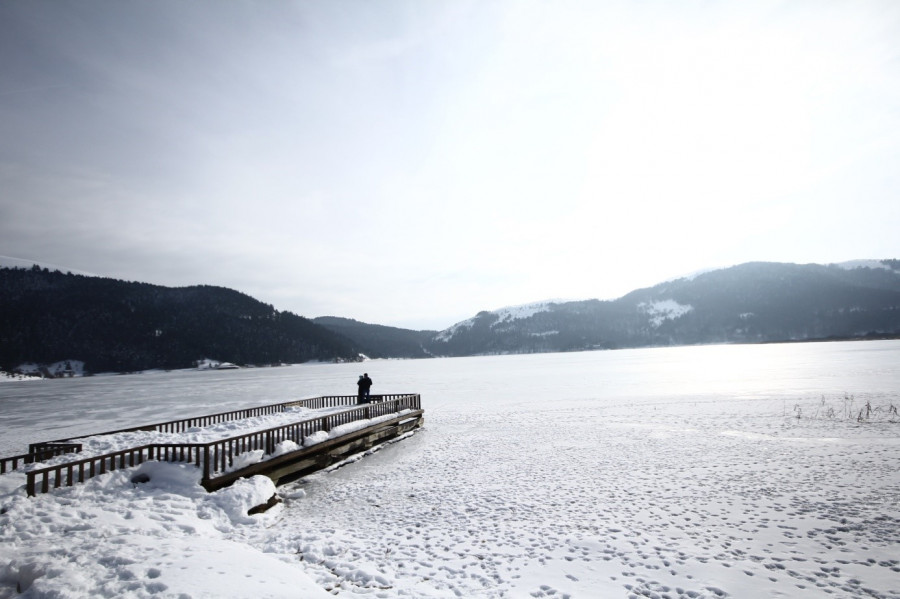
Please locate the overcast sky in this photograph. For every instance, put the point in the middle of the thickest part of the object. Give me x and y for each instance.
(412, 163)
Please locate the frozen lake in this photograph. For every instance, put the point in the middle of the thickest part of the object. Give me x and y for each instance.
(615, 380)
(697, 472)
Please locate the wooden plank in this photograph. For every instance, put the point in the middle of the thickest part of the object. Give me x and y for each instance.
(309, 459)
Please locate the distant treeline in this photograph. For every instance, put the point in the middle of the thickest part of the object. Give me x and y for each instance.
(118, 326)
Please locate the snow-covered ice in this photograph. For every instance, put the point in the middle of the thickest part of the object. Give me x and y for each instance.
(730, 471)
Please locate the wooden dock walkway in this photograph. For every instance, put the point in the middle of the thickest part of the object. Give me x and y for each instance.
(391, 416)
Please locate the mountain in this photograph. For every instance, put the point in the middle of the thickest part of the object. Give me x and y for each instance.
(378, 341)
(118, 326)
(750, 303)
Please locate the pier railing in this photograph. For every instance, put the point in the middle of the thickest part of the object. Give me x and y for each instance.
(38, 452)
(217, 457)
(180, 426)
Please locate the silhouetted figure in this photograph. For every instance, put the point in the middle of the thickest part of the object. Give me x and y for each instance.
(360, 393)
(365, 383)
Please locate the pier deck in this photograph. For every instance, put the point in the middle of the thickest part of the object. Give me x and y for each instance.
(347, 431)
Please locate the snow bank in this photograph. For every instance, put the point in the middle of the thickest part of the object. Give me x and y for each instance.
(150, 531)
(63, 368)
(166, 537)
(8, 377)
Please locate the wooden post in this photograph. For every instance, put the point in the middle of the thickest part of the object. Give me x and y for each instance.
(206, 472)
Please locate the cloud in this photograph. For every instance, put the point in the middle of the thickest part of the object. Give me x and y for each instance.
(390, 161)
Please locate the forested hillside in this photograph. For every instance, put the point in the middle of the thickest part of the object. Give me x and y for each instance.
(118, 326)
(750, 303)
(378, 341)
(115, 326)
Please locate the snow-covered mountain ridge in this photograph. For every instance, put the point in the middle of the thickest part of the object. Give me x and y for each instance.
(117, 326)
(504, 315)
(749, 303)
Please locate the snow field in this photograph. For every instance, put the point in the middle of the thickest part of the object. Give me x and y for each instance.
(587, 502)
(736, 471)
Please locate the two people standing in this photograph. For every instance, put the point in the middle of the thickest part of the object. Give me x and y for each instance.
(364, 383)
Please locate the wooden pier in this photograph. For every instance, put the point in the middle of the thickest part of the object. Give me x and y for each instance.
(393, 416)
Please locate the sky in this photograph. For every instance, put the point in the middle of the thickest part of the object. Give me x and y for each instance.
(413, 163)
